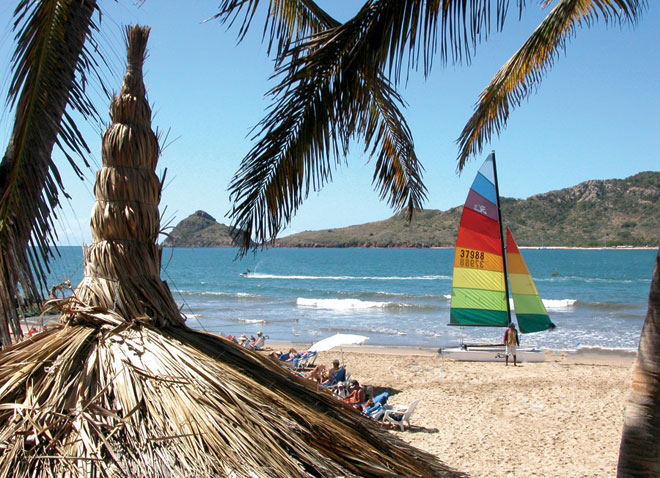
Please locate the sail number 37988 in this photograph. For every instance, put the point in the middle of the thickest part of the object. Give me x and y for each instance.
(472, 259)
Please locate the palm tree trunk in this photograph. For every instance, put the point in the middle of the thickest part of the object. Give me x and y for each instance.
(639, 454)
(28, 190)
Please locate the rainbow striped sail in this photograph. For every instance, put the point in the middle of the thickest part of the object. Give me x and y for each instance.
(530, 311)
(479, 289)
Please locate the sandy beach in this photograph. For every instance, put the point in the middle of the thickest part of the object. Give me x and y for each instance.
(562, 417)
(558, 418)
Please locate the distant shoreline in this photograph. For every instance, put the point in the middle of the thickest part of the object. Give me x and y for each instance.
(615, 248)
(567, 248)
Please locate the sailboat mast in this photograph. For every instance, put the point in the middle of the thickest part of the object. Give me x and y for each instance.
(499, 215)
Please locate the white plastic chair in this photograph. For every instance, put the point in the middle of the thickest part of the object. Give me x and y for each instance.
(399, 415)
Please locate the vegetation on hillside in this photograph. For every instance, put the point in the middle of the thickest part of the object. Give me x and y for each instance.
(616, 212)
(199, 230)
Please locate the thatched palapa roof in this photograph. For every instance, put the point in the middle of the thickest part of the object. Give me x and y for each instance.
(122, 387)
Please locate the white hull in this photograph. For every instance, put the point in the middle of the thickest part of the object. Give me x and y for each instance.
(491, 354)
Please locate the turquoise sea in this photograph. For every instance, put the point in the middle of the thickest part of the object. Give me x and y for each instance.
(397, 297)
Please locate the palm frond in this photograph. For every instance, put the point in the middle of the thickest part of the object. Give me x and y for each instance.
(521, 75)
(308, 131)
(398, 172)
(332, 89)
(287, 21)
(50, 51)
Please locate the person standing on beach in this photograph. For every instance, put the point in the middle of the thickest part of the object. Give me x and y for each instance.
(511, 341)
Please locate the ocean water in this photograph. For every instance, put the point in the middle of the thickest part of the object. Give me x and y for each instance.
(396, 297)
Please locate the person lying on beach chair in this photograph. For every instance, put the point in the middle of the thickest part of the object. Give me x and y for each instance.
(285, 356)
(335, 375)
(374, 408)
(316, 374)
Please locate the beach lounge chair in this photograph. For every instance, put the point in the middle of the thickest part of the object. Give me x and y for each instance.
(260, 341)
(399, 415)
(305, 361)
(337, 378)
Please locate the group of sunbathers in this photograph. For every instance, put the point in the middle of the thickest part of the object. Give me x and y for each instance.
(254, 343)
(334, 379)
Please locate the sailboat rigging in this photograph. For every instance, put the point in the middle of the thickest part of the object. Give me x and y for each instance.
(484, 270)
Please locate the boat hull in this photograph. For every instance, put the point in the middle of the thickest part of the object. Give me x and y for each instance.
(490, 354)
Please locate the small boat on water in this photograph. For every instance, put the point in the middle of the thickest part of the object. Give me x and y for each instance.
(484, 273)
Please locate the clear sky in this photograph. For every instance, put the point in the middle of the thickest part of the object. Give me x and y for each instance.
(593, 117)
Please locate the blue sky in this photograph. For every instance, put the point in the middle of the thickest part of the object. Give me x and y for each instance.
(593, 117)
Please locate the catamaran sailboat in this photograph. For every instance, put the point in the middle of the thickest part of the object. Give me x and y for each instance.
(485, 271)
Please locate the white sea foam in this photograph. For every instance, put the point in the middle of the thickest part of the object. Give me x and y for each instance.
(219, 294)
(559, 303)
(605, 280)
(554, 304)
(257, 275)
(340, 304)
(251, 321)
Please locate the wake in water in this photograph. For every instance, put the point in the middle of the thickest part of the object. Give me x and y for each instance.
(355, 304)
(256, 275)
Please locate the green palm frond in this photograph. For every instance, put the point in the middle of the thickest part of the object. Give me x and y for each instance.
(520, 76)
(50, 38)
(287, 21)
(308, 131)
(333, 88)
(398, 172)
(50, 52)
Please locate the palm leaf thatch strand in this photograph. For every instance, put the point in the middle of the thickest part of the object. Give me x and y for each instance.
(522, 74)
(142, 402)
(106, 394)
(122, 266)
(50, 40)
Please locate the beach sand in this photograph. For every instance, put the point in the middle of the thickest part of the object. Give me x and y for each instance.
(561, 417)
(558, 418)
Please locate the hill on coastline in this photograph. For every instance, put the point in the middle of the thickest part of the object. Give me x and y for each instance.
(199, 230)
(595, 213)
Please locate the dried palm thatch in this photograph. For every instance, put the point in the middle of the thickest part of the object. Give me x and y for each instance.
(121, 387)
